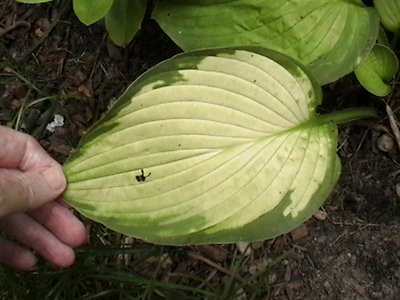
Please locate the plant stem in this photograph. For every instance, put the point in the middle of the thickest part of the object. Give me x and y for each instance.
(348, 115)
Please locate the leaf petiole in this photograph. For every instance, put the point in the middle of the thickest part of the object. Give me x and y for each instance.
(347, 115)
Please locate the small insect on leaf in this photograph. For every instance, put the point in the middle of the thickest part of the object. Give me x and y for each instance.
(142, 177)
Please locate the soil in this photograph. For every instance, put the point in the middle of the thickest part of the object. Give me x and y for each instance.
(348, 250)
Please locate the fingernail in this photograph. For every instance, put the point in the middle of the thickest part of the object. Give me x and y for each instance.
(55, 178)
(33, 264)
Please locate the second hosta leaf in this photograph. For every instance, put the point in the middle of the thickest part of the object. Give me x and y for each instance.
(124, 20)
(90, 11)
(377, 69)
(329, 36)
(389, 11)
(230, 146)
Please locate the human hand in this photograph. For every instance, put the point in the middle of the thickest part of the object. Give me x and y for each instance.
(30, 183)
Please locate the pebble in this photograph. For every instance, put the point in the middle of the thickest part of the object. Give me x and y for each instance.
(320, 215)
(385, 143)
(243, 248)
(299, 233)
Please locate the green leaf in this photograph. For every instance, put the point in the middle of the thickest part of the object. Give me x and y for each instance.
(329, 36)
(377, 69)
(90, 11)
(34, 1)
(220, 145)
(124, 20)
(389, 11)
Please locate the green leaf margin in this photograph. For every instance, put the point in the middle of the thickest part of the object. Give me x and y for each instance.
(377, 69)
(196, 24)
(124, 20)
(389, 11)
(91, 11)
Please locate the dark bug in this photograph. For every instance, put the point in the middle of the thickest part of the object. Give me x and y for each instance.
(142, 177)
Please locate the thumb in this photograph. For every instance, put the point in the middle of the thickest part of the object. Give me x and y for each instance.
(24, 191)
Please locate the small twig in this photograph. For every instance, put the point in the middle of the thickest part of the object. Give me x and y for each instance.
(343, 143)
(210, 263)
(303, 249)
(63, 60)
(394, 174)
(208, 279)
(46, 33)
(98, 50)
(4, 31)
(362, 141)
(310, 261)
(358, 223)
(22, 78)
(354, 224)
(338, 238)
(216, 266)
(393, 124)
(373, 126)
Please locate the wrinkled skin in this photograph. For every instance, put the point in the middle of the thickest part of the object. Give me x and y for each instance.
(33, 219)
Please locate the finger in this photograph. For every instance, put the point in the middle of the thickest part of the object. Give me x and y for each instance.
(31, 234)
(21, 151)
(15, 256)
(22, 191)
(62, 223)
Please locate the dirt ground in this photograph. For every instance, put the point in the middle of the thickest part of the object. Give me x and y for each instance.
(349, 250)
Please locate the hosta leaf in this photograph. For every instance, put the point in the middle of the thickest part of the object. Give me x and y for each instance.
(90, 11)
(329, 36)
(217, 145)
(389, 11)
(377, 69)
(124, 20)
